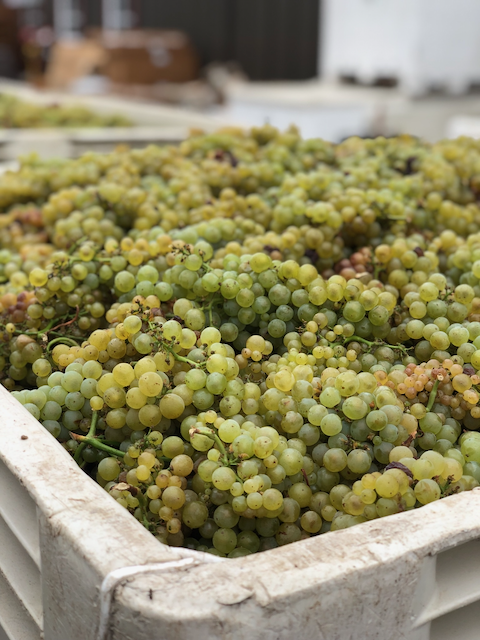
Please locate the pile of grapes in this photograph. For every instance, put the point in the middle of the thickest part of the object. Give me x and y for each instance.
(19, 114)
(251, 338)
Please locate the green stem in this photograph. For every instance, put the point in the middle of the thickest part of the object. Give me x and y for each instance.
(162, 345)
(433, 395)
(358, 339)
(47, 328)
(91, 434)
(35, 333)
(38, 334)
(61, 335)
(210, 433)
(76, 244)
(375, 343)
(61, 340)
(376, 270)
(94, 442)
(184, 359)
(208, 308)
(104, 258)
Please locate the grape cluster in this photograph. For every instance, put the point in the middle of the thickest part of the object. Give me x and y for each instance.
(251, 339)
(20, 114)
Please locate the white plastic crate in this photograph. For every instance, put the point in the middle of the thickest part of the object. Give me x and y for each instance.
(54, 143)
(463, 126)
(319, 109)
(420, 43)
(60, 535)
(152, 124)
(74, 565)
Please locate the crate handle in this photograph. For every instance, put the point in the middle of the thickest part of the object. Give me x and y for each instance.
(115, 577)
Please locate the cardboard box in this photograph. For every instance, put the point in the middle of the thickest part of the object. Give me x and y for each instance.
(71, 60)
(148, 56)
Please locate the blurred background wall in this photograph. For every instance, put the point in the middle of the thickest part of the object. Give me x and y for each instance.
(268, 39)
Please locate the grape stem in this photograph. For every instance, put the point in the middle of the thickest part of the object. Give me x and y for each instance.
(210, 433)
(94, 442)
(208, 308)
(50, 328)
(433, 395)
(35, 333)
(65, 324)
(305, 477)
(47, 328)
(91, 434)
(377, 268)
(170, 349)
(76, 244)
(184, 359)
(376, 343)
(142, 506)
(61, 340)
(358, 339)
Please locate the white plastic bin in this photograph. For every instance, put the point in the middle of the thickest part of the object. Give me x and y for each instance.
(463, 126)
(74, 565)
(60, 535)
(322, 110)
(152, 123)
(55, 143)
(421, 43)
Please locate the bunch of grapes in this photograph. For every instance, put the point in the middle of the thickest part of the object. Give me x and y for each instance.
(251, 339)
(16, 113)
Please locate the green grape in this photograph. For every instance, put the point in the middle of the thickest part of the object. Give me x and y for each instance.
(355, 408)
(376, 420)
(331, 424)
(427, 491)
(359, 461)
(330, 397)
(72, 381)
(195, 515)
(51, 410)
(108, 469)
(224, 540)
(335, 460)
